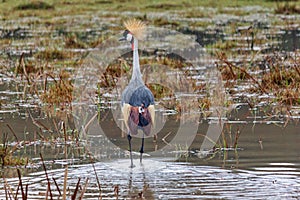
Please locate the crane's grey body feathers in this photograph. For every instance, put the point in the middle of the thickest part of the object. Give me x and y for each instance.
(138, 96)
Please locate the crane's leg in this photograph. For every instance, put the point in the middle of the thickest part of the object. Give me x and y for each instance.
(142, 149)
(130, 152)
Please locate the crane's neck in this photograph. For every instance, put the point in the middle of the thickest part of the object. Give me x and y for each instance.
(136, 72)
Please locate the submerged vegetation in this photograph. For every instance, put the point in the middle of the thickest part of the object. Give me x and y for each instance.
(6, 153)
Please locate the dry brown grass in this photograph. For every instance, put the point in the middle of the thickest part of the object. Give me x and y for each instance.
(58, 92)
(285, 83)
(287, 8)
(281, 79)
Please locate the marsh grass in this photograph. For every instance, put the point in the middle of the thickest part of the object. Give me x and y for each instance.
(48, 8)
(242, 73)
(7, 151)
(287, 8)
(114, 71)
(57, 89)
(283, 81)
(34, 5)
(53, 190)
(229, 137)
(58, 92)
(165, 6)
(279, 79)
(53, 89)
(225, 45)
(54, 54)
(73, 41)
(204, 104)
(165, 22)
(160, 91)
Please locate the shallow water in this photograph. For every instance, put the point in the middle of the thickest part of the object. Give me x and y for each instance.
(174, 180)
(266, 165)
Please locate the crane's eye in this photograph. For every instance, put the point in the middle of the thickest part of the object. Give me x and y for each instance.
(129, 37)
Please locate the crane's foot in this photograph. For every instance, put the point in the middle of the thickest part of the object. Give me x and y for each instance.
(132, 166)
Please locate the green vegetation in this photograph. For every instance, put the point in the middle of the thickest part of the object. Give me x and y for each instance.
(226, 45)
(7, 157)
(159, 91)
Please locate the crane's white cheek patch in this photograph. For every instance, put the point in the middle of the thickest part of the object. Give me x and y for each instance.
(129, 37)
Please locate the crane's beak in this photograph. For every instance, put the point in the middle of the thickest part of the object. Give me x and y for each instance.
(122, 38)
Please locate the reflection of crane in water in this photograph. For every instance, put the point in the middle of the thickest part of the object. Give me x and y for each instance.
(137, 99)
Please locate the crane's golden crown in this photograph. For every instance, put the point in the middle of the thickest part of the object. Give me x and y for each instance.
(136, 27)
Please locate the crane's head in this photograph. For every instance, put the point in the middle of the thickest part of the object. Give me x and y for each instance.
(129, 37)
(135, 29)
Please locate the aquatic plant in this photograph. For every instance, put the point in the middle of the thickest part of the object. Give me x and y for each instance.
(225, 45)
(284, 82)
(6, 153)
(112, 72)
(58, 92)
(53, 54)
(243, 74)
(72, 41)
(77, 193)
(165, 22)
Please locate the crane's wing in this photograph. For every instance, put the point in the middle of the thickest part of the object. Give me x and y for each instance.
(126, 112)
(152, 114)
(133, 120)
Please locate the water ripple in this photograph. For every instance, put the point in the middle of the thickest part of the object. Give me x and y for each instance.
(172, 181)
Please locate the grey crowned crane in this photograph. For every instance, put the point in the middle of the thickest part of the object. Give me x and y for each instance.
(137, 99)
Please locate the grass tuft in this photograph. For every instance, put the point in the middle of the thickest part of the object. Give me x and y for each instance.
(59, 92)
(52, 54)
(164, 6)
(159, 91)
(287, 9)
(6, 154)
(72, 41)
(34, 5)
